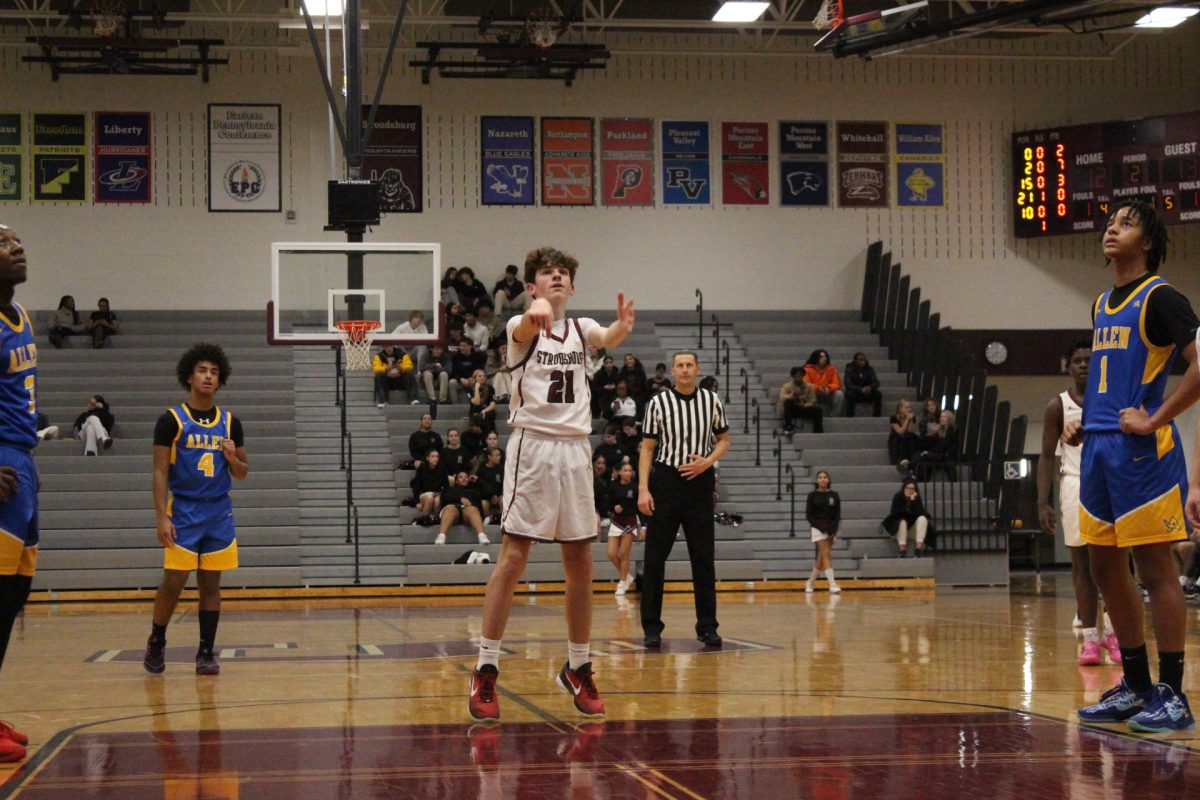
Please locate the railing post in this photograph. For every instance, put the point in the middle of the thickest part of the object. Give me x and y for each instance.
(792, 491)
(726, 359)
(745, 399)
(717, 343)
(700, 314)
(357, 578)
(757, 434)
(778, 453)
(348, 455)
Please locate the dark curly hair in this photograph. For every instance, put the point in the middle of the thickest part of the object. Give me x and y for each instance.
(549, 257)
(1154, 230)
(203, 351)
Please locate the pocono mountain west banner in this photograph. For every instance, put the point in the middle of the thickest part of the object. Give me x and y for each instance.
(920, 165)
(745, 171)
(123, 153)
(627, 162)
(568, 161)
(804, 163)
(244, 157)
(506, 160)
(393, 156)
(12, 154)
(59, 149)
(862, 164)
(686, 166)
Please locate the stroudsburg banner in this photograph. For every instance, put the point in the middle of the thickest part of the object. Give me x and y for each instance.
(393, 157)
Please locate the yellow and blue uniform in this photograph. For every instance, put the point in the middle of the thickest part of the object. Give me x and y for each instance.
(1133, 488)
(18, 437)
(199, 505)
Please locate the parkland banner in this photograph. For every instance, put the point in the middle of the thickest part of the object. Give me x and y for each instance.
(12, 156)
(59, 148)
(393, 155)
(506, 160)
(920, 165)
(687, 179)
(123, 154)
(244, 157)
(862, 170)
(627, 162)
(745, 171)
(804, 163)
(568, 161)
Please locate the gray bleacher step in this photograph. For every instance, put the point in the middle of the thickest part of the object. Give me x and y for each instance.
(382, 573)
(249, 537)
(231, 397)
(863, 457)
(803, 566)
(70, 483)
(150, 557)
(896, 567)
(69, 519)
(149, 578)
(243, 498)
(263, 445)
(143, 412)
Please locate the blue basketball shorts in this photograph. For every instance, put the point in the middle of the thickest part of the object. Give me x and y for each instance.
(204, 534)
(19, 515)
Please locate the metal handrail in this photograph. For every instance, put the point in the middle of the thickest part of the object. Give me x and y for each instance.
(757, 433)
(745, 399)
(777, 435)
(792, 491)
(725, 343)
(717, 344)
(700, 313)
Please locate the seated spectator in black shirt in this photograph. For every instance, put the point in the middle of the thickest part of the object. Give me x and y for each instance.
(862, 385)
(474, 440)
(454, 458)
(509, 292)
(454, 336)
(939, 451)
(902, 435)
(462, 370)
(659, 382)
(393, 369)
(600, 478)
(489, 480)
(908, 514)
(103, 323)
(427, 485)
(492, 439)
(610, 450)
(494, 325)
(94, 426)
(461, 502)
(435, 369)
(448, 286)
(470, 291)
(604, 387)
(630, 440)
(422, 440)
(66, 321)
(482, 399)
(634, 375)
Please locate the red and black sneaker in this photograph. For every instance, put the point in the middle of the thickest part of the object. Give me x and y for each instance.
(484, 704)
(7, 731)
(155, 660)
(579, 684)
(11, 751)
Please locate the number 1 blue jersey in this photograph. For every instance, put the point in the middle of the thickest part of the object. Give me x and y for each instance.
(18, 384)
(198, 467)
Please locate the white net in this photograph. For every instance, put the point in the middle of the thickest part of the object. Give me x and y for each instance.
(828, 15)
(542, 27)
(357, 337)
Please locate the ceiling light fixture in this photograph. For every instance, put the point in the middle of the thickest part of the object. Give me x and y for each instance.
(739, 11)
(1165, 17)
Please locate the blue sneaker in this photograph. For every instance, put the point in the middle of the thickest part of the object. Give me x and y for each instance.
(1167, 712)
(1116, 705)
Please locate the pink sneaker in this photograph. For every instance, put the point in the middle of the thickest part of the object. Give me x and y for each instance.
(1091, 655)
(1112, 648)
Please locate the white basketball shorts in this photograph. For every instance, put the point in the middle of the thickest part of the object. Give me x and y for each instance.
(548, 488)
(1068, 501)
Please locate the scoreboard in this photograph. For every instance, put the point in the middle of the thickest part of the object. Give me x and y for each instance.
(1065, 180)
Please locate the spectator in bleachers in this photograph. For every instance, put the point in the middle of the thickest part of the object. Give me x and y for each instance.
(482, 399)
(798, 400)
(103, 323)
(470, 291)
(94, 427)
(862, 386)
(454, 336)
(823, 510)
(66, 321)
(45, 431)
(825, 380)
(492, 439)
(629, 439)
(423, 439)
(474, 439)
(475, 331)
(461, 502)
(610, 449)
(659, 382)
(902, 436)
(604, 387)
(928, 424)
(908, 514)
(435, 371)
(454, 457)
(449, 286)
(500, 373)
(489, 480)
(600, 479)
(634, 375)
(463, 367)
(393, 369)
(488, 319)
(414, 325)
(710, 383)
(595, 360)
(428, 483)
(941, 451)
(509, 293)
(622, 405)
(624, 525)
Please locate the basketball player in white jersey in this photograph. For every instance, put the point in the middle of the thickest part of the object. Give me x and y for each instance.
(548, 471)
(1064, 411)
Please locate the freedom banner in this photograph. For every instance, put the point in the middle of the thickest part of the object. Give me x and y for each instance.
(123, 153)
(568, 159)
(506, 161)
(804, 163)
(745, 171)
(59, 147)
(12, 153)
(627, 162)
(244, 157)
(393, 157)
(920, 165)
(686, 167)
(862, 168)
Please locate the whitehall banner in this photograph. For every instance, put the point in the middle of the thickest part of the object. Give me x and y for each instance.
(12, 156)
(59, 148)
(920, 165)
(687, 179)
(745, 171)
(123, 153)
(506, 161)
(244, 157)
(804, 163)
(862, 171)
(568, 161)
(393, 156)
(627, 162)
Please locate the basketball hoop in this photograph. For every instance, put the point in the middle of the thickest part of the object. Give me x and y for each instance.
(829, 15)
(357, 336)
(108, 17)
(542, 27)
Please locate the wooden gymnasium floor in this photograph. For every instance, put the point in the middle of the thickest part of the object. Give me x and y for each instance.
(947, 694)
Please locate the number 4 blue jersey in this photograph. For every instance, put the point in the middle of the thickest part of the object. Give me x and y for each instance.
(18, 385)
(198, 467)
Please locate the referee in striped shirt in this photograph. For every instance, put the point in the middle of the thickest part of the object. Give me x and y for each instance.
(685, 433)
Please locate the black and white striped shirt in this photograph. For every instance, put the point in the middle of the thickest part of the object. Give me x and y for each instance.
(684, 424)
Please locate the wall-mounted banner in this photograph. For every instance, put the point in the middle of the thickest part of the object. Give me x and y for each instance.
(568, 161)
(123, 153)
(920, 165)
(506, 160)
(804, 163)
(393, 156)
(59, 147)
(862, 170)
(745, 171)
(245, 159)
(12, 154)
(627, 162)
(686, 167)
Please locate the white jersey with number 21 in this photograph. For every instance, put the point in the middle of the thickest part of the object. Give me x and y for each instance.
(551, 394)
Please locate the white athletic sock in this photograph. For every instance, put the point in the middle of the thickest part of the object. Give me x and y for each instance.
(829, 577)
(1090, 635)
(489, 653)
(578, 654)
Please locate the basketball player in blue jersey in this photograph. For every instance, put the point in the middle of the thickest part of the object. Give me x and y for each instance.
(18, 476)
(1133, 480)
(198, 447)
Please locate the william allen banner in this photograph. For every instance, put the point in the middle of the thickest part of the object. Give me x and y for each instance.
(920, 165)
(59, 150)
(123, 148)
(568, 157)
(506, 160)
(686, 167)
(862, 164)
(244, 157)
(393, 156)
(627, 162)
(745, 171)
(804, 163)
(12, 154)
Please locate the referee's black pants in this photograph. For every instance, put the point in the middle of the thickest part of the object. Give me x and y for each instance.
(678, 501)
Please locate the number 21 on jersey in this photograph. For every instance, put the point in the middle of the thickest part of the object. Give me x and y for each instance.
(562, 387)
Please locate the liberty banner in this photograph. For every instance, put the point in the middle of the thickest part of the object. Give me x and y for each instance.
(862, 164)
(627, 162)
(568, 161)
(745, 171)
(804, 163)
(245, 158)
(12, 153)
(123, 153)
(59, 148)
(392, 155)
(506, 161)
(920, 165)
(686, 167)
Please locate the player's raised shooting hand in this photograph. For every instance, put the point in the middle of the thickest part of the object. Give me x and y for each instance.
(8, 483)
(541, 314)
(1136, 421)
(625, 312)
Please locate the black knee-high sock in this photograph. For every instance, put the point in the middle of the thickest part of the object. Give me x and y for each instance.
(1137, 668)
(14, 591)
(158, 633)
(208, 628)
(1170, 670)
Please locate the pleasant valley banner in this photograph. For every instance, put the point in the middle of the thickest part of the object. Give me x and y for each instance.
(686, 166)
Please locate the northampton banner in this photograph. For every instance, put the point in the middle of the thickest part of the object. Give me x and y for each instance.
(804, 163)
(59, 147)
(245, 158)
(862, 168)
(123, 153)
(568, 161)
(920, 165)
(506, 160)
(627, 162)
(686, 167)
(745, 171)
(12, 154)
(393, 156)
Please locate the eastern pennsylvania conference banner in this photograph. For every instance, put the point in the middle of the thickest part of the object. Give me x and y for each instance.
(745, 171)
(506, 160)
(920, 165)
(244, 157)
(568, 159)
(12, 154)
(804, 163)
(627, 162)
(686, 167)
(123, 170)
(393, 157)
(59, 151)
(862, 164)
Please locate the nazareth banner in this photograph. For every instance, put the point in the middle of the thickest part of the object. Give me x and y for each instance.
(804, 163)
(123, 170)
(244, 157)
(745, 171)
(393, 156)
(506, 161)
(627, 162)
(686, 168)
(568, 158)
(59, 148)
(862, 169)
(12, 153)
(920, 165)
